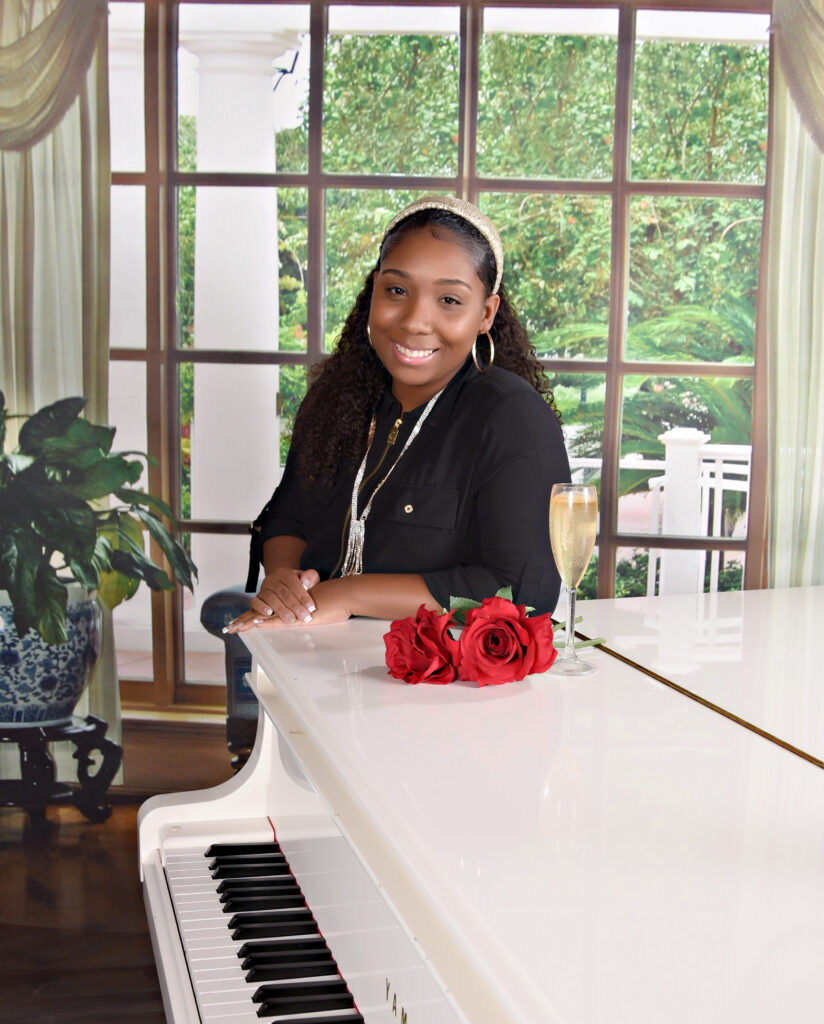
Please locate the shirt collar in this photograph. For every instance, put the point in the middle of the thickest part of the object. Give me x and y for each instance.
(389, 405)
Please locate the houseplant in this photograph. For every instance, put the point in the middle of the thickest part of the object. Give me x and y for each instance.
(71, 520)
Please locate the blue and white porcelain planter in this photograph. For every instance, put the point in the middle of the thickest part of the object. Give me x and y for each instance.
(40, 683)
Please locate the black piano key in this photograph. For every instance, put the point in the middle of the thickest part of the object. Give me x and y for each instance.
(292, 969)
(283, 880)
(304, 1004)
(240, 849)
(273, 888)
(303, 996)
(239, 862)
(273, 958)
(270, 902)
(256, 870)
(249, 931)
(302, 913)
(282, 946)
(324, 1018)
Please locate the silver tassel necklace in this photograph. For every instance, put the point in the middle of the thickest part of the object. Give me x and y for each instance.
(353, 560)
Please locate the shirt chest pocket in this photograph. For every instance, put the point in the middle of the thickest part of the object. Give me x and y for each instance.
(433, 507)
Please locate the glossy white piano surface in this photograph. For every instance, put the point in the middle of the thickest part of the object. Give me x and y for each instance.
(754, 653)
(605, 850)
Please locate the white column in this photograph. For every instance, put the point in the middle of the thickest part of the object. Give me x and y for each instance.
(681, 571)
(235, 427)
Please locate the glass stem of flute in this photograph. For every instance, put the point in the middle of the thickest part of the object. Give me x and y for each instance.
(568, 650)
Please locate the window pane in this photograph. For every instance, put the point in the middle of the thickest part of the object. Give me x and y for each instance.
(685, 456)
(221, 561)
(127, 285)
(242, 268)
(126, 87)
(556, 268)
(546, 93)
(641, 572)
(229, 449)
(132, 618)
(693, 278)
(391, 90)
(580, 401)
(243, 84)
(700, 96)
(355, 222)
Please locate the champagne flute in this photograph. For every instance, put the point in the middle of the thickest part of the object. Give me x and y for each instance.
(573, 517)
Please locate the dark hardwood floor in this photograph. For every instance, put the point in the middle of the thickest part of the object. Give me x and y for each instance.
(74, 944)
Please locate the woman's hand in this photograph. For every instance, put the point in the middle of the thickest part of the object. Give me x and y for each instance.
(284, 595)
(328, 601)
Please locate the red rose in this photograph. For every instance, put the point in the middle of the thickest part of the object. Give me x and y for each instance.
(501, 644)
(420, 650)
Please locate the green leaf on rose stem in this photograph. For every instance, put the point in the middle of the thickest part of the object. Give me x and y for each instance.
(505, 593)
(459, 606)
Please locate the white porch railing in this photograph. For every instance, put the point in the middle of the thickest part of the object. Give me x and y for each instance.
(687, 498)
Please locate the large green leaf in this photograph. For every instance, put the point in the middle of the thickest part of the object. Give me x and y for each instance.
(134, 498)
(182, 566)
(70, 528)
(141, 569)
(20, 556)
(50, 421)
(105, 477)
(50, 600)
(123, 533)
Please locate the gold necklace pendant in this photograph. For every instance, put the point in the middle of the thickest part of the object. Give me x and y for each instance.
(393, 433)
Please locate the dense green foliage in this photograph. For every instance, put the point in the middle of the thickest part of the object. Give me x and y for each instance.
(52, 530)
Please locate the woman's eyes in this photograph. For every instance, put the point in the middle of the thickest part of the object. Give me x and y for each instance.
(396, 291)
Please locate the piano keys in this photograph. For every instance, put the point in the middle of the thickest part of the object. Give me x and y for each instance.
(549, 852)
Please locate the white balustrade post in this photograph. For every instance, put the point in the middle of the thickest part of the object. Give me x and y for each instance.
(681, 571)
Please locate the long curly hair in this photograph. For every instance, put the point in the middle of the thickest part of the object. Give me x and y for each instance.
(352, 378)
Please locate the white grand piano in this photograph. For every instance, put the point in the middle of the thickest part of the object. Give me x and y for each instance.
(642, 845)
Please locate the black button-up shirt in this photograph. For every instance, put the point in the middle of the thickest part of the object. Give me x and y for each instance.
(466, 506)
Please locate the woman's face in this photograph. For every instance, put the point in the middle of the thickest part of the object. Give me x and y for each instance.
(428, 306)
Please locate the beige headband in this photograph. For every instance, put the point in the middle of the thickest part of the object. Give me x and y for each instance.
(471, 214)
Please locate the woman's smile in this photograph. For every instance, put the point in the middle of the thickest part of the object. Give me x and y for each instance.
(413, 355)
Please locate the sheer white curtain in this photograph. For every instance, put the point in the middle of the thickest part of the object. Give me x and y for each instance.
(54, 228)
(795, 299)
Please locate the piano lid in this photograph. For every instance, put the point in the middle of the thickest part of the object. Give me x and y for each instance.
(602, 849)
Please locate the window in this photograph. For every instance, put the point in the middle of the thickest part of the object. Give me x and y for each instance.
(621, 151)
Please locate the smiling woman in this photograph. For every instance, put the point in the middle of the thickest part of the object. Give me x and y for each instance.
(419, 469)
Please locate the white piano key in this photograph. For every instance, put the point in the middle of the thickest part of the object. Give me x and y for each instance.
(339, 887)
(362, 951)
(360, 917)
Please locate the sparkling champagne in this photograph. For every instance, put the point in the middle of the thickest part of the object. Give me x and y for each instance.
(572, 523)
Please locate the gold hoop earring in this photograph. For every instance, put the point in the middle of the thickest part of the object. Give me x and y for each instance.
(369, 336)
(483, 369)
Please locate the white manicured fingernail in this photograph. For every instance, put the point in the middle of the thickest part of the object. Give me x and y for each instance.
(305, 585)
(268, 611)
(310, 607)
(257, 622)
(307, 617)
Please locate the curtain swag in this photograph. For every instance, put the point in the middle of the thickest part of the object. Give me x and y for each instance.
(798, 27)
(43, 71)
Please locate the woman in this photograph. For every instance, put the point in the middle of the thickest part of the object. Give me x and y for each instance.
(424, 453)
